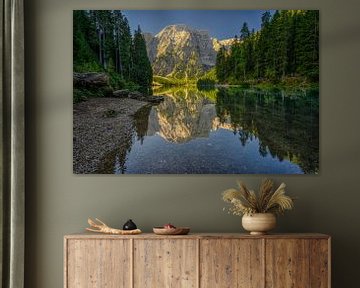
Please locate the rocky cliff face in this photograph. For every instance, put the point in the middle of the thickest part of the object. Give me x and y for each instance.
(218, 43)
(180, 51)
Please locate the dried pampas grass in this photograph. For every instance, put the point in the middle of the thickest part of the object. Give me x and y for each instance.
(245, 201)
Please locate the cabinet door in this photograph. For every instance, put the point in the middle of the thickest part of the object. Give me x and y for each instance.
(297, 263)
(231, 263)
(320, 263)
(167, 263)
(287, 263)
(98, 263)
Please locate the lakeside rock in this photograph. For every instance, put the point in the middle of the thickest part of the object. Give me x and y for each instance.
(155, 99)
(90, 79)
(123, 93)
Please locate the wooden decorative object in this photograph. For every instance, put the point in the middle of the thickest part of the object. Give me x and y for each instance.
(101, 227)
(171, 231)
(197, 261)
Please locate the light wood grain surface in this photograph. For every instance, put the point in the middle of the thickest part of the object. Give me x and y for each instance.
(319, 263)
(228, 263)
(165, 263)
(287, 263)
(204, 260)
(98, 263)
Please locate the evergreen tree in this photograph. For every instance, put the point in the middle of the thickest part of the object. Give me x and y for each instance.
(103, 42)
(262, 46)
(83, 54)
(221, 65)
(265, 19)
(242, 54)
(280, 29)
(123, 41)
(235, 60)
(307, 44)
(142, 70)
(245, 32)
(291, 55)
(105, 30)
(287, 45)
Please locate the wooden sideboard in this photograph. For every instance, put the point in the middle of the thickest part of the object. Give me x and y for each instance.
(197, 260)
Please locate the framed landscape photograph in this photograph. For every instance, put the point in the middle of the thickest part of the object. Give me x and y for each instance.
(195, 91)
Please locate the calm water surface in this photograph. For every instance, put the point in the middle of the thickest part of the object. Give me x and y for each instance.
(232, 130)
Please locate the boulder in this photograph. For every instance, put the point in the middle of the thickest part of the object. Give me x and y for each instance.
(121, 93)
(155, 99)
(136, 95)
(90, 79)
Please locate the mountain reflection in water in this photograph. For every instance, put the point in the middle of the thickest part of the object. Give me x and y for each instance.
(224, 131)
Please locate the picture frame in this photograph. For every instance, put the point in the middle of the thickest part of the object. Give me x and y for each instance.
(169, 92)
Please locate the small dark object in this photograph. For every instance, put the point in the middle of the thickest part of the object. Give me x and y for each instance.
(110, 113)
(129, 225)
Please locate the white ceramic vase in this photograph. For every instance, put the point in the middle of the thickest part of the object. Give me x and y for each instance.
(259, 223)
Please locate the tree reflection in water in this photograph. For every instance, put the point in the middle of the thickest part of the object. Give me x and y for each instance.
(285, 125)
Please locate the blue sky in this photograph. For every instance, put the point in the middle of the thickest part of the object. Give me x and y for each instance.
(221, 24)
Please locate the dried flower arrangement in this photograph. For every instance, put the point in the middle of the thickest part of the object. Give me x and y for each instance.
(247, 202)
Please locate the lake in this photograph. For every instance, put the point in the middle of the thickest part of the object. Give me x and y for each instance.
(223, 131)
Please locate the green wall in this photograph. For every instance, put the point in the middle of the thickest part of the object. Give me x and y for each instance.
(59, 202)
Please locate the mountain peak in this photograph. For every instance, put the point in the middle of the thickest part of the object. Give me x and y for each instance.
(180, 51)
(173, 29)
(177, 27)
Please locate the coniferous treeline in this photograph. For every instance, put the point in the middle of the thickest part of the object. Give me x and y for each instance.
(287, 45)
(103, 42)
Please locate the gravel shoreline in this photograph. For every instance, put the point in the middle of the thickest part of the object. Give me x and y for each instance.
(101, 125)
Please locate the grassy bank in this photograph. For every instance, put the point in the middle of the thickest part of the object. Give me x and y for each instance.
(289, 83)
(169, 81)
(293, 83)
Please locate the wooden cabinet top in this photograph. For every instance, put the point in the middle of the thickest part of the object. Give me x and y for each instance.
(199, 236)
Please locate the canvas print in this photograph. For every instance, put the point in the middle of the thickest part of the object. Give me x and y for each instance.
(196, 92)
